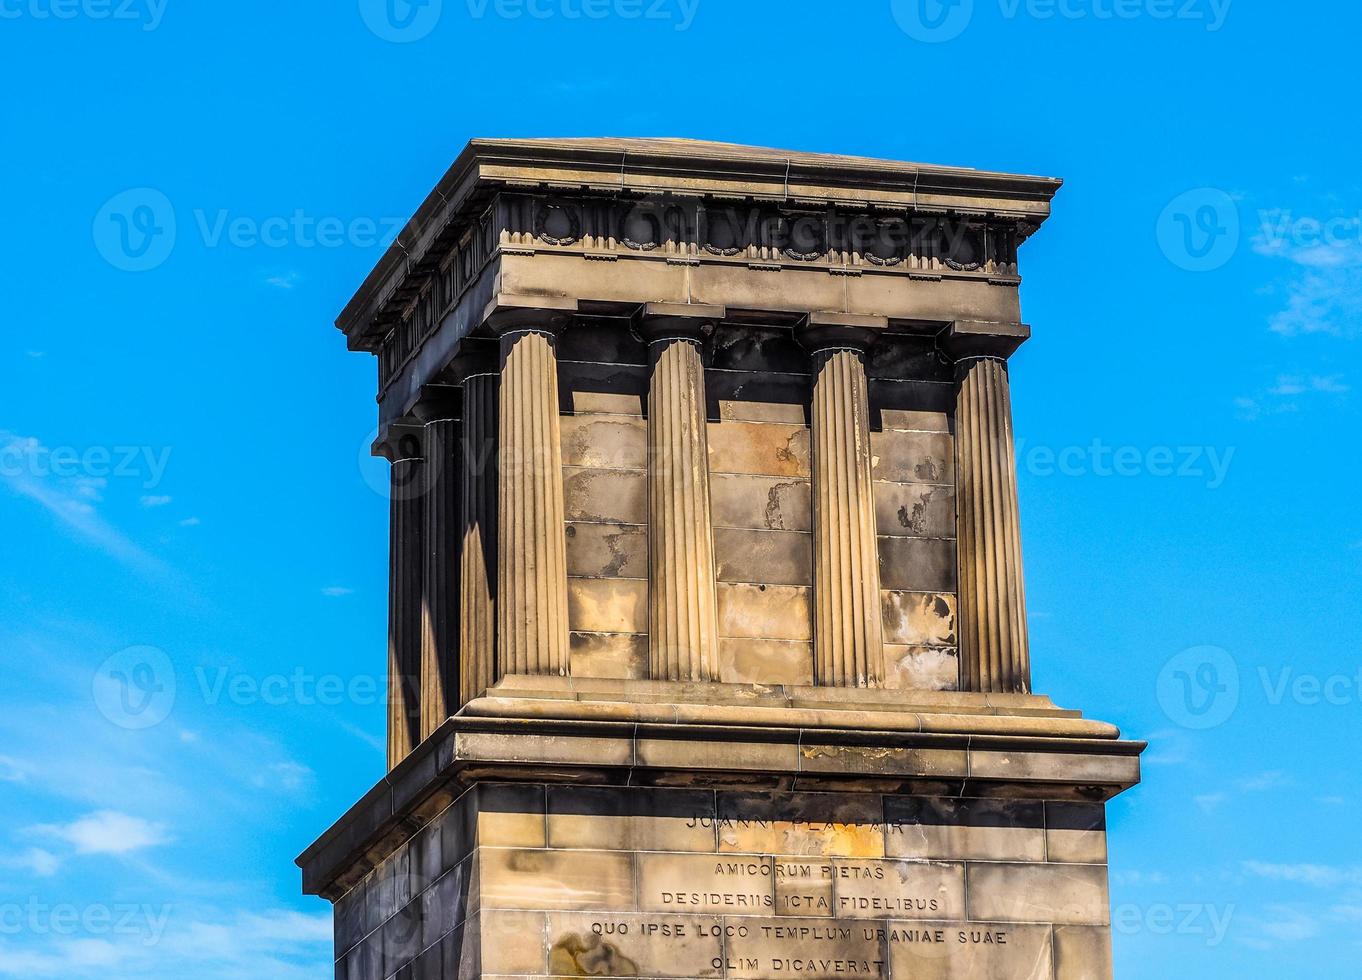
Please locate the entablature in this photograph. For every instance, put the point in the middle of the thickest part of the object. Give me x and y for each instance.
(735, 210)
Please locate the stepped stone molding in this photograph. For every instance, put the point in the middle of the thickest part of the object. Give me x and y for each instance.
(683, 607)
(532, 611)
(848, 629)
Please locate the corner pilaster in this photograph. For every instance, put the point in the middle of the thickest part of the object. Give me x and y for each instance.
(994, 646)
(532, 616)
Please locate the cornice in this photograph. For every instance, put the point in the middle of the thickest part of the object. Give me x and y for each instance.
(696, 170)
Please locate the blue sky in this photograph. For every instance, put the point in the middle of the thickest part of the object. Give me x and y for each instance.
(183, 432)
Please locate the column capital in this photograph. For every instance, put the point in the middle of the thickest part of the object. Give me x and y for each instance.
(401, 440)
(438, 403)
(968, 339)
(475, 358)
(818, 333)
(667, 321)
(507, 315)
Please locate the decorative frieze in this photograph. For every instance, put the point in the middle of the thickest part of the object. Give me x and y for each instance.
(762, 236)
(886, 239)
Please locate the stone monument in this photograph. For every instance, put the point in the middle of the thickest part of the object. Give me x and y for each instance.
(707, 644)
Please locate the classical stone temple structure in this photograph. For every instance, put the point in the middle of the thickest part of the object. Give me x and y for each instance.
(708, 649)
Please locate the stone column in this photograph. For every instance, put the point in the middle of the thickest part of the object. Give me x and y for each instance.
(848, 620)
(683, 618)
(532, 619)
(994, 649)
(438, 411)
(404, 451)
(477, 530)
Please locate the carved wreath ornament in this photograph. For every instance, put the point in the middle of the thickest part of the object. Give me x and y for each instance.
(641, 230)
(964, 250)
(557, 225)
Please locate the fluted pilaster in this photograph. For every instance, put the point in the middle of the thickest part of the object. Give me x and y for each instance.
(994, 650)
(682, 607)
(848, 624)
(406, 570)
(478, 535)
(440, 592)
(532, 620)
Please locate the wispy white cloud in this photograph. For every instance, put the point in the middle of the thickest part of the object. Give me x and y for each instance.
(282, 280)
(336, 591)
(11, 771)
(279, 944)
(156, 500)
(70, 499)
(287, 776)
(1288, 393)
(1264, 781)
(1318, 875)
(1134, 878)
(1289, 384)
(107, 832)
(36, 861)
(190, 522)
(1288, 924)
(1324, 289)
(1326, 301)
(64, 958)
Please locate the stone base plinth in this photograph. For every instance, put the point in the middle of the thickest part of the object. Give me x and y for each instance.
(588, 844)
